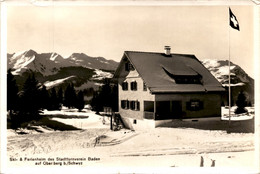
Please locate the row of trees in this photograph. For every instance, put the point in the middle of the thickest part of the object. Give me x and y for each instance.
(53, 99)
(106, 96)
(26, 105)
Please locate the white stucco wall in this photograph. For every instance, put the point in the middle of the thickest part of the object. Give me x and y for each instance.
(130, 95)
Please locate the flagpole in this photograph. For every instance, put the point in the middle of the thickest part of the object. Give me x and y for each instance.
(234, 24)
(229, 87)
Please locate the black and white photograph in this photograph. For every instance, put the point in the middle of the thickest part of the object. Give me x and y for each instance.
(129, 87)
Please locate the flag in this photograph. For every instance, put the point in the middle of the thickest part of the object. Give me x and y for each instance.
(233, 20)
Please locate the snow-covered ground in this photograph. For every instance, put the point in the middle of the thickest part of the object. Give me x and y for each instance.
(100, 75)
(162, 147)
(237, 117)
(50, 84)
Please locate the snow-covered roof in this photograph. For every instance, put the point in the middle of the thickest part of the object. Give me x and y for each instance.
(157, 70)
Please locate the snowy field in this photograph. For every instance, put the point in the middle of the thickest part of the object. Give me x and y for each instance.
(164, 147)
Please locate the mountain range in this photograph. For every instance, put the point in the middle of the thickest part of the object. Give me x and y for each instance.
(50, 63)
(52, 70)
(239, 79)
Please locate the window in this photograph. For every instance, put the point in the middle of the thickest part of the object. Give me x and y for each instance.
(129, 67)
(144, 87)
(194, 105)
(149, 106)
(133, 86)
(132, 105)
(124, 86)
(185, 79)
(124, 104)
(135, 105)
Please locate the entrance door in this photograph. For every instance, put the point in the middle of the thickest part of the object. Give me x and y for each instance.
(176, 109)
(168, 110)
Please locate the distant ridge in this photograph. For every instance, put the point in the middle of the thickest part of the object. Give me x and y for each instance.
(50, 63)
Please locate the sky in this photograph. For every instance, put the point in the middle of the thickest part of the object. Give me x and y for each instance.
(108, 31)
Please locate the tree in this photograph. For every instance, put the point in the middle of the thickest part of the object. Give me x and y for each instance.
(60, 96)
(241, 103)
(80, 101)
(95, 102)
(44, 97)
(114, 98)
(107, 96)
(12, 93)
(30, 100)
(66, 101)
(70, 96)
(54, 102)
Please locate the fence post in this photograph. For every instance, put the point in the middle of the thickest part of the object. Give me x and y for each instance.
(111, 120)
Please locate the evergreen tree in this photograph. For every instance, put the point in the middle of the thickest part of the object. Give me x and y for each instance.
(73, 96)
(95, 102)
(44, 98)
(241, 103)
(30, 101)
(114, 98)
(54, 102)
(70, 96)
(80, 101)
(67, 97)
(12, 93)
(107, 96)
(60, 96)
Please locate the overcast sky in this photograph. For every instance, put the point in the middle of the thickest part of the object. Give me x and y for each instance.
(108, 31)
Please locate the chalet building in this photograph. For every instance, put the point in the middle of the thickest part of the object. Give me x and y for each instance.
(155, 88)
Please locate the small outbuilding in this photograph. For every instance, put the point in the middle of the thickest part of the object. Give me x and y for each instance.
(155, 88)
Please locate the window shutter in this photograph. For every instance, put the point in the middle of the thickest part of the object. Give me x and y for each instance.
(124, 86)
(122, 104)
(127, 104)
(137, 105)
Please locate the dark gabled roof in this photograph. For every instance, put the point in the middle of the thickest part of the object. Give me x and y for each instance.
(154, 69)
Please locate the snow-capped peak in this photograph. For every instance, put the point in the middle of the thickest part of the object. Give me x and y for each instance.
(220, 70)
(53, 56)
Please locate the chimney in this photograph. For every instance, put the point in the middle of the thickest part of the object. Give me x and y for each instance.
(167, 50)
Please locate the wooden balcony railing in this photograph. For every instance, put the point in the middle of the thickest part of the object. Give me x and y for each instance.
(149, 115)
